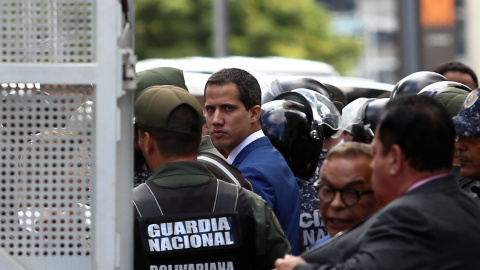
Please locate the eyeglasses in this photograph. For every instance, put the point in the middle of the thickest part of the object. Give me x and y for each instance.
(349, 196)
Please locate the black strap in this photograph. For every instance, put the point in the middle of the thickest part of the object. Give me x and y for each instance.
(223, 170)
(227, 196)
(144, 200)
(218, 166)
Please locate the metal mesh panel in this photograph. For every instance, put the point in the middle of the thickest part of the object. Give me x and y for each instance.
(46, 152)
(41, 31)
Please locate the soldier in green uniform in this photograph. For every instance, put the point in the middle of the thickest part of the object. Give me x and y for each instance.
(183, 214)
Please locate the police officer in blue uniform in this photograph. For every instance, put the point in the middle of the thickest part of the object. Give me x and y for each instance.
(467, 127)
(184, 217)
(297, 123)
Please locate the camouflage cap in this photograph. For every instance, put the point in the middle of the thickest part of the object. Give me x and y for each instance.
(467, 122)
(159, 76)
(155, 104)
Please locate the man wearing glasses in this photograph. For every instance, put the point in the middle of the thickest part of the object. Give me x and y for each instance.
(345, 187)
(427, 221)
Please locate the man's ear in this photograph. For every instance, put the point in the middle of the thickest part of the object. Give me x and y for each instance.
(136, 138)
(396, 159)
(255, 113)
(149, 144)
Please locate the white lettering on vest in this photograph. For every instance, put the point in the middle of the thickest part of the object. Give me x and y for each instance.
(165, 244)
(153, 230)
(228, 240)
(154, 244)
(167, 229)
(197, 266)
(176, 242)
(195, 241)
(219, 240)
(223, 224)
(179, 229)
(190, 234)
(207, 239)
(309, 219)
(186, 242)
(203, 225)
(191, 226)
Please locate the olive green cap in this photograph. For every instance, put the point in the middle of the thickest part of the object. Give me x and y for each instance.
(159, 76)
(155, 104)
(452, 98)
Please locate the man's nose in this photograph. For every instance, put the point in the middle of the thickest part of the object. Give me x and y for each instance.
(460, 145)
(337, 201)
(217, 118)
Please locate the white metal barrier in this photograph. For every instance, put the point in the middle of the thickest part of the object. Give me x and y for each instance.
(66, 71)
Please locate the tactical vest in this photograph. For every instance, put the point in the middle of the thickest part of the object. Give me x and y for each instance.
(199, 227)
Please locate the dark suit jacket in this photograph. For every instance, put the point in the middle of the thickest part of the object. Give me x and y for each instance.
(435, 226)
(272, 179)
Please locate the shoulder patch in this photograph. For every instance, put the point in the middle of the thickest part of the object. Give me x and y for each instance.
(472, 97)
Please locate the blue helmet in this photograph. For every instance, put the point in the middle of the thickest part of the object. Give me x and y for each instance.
(467, 122)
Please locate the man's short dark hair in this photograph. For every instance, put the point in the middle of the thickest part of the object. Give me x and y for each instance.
(456, 66)
(250, 92)
(172, 143)
(422, 128)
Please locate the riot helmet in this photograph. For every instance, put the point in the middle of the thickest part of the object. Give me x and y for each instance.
(413, 83)
(373, 111)
(290, 126)
(450, 94)
(337, 95)
(325, 113)
(435, 88)
(279, 86)
(360, 118)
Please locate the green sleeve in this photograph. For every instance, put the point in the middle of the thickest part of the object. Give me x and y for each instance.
(270, 242)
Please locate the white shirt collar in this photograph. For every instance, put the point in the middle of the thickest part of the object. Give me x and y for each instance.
(252, 137)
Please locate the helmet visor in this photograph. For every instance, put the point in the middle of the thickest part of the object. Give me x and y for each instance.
(324, 111)
(351, 115)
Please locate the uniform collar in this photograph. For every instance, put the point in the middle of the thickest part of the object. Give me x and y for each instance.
(172, 174)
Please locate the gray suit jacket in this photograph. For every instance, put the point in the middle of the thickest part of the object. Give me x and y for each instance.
(435, 226)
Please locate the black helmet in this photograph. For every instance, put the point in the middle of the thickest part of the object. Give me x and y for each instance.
(325, 113)
(337, 95)
(413, 83)
(279, 86)
(361, 116)
(290, 126)
(435, 88)
(373, 111)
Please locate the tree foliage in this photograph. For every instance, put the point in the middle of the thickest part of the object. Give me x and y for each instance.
(296, 29)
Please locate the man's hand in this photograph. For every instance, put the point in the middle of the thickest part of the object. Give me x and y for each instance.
(288, 262)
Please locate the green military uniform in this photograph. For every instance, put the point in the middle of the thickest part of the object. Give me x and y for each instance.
(184, 216)
(270, 242)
